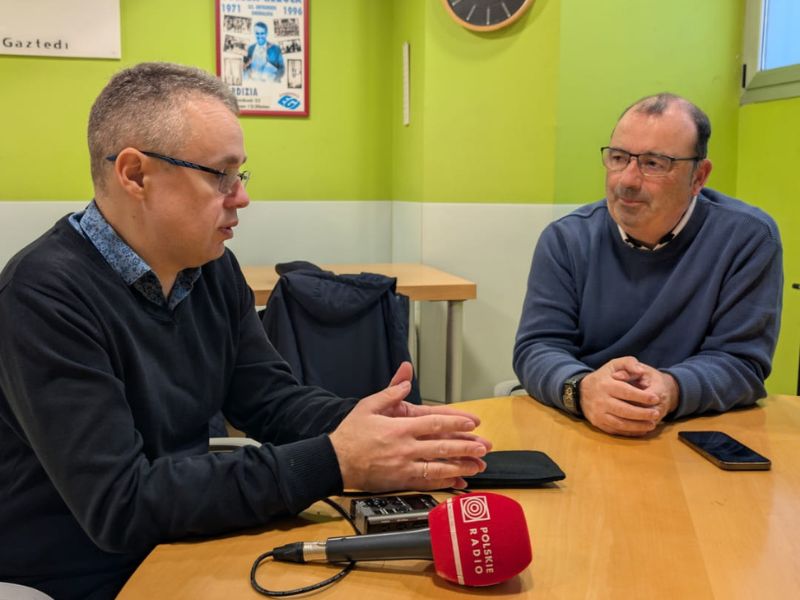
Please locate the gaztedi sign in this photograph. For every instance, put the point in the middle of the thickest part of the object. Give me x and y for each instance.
(88, 29)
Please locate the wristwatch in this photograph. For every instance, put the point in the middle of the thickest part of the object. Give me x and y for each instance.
(571, 394)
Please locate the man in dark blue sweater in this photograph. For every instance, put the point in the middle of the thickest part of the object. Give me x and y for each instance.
(128, 326)
(663, 299)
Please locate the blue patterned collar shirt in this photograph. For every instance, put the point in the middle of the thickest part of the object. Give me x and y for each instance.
(131, 267)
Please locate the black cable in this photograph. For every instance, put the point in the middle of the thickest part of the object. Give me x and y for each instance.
(359, 494)
(309, 588)
(345, 570)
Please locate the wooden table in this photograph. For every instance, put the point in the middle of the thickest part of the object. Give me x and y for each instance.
(635, 518)
(418, 282)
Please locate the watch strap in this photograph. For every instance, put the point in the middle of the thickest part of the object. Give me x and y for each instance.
(571, 394)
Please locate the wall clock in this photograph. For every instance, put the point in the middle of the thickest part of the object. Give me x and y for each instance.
(486, 15)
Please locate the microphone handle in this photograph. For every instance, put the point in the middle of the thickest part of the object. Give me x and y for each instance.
(394, 545)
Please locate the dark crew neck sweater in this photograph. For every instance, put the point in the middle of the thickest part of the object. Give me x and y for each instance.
(105, 401)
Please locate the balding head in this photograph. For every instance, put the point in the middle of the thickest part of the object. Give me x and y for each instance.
(658, 104)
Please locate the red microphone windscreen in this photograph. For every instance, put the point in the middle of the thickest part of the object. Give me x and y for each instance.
(479, 539)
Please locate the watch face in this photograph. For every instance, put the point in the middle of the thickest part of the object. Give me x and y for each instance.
(486, 15)
(568, 397)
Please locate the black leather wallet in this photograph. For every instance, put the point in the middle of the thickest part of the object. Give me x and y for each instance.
(516, 468)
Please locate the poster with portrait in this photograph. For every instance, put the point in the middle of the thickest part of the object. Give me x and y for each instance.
(262, 54)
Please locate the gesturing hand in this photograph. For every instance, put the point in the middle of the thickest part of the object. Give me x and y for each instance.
(387, 444)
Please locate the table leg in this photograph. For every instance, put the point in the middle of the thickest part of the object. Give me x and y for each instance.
(455, 324)
(412, 333)
(797, 287)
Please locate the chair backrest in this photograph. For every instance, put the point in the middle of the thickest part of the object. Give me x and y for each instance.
(345, 333)
(509, 387)
(230, 444)
(13, 591)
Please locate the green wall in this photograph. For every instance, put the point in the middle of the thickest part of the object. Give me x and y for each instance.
(44, 103)
(407, 143)
(518, 115)
(616, 51)
(489, 105)
(511, 116)
(769, 155)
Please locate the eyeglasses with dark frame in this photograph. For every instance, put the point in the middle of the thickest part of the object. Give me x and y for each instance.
(226, 179)
(650, 164)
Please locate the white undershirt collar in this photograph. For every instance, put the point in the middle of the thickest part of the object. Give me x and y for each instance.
(673, 233)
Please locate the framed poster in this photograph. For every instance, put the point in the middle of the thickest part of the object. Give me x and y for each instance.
(262, 54)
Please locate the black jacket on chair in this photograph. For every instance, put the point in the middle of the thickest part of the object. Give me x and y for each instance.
(345, 333)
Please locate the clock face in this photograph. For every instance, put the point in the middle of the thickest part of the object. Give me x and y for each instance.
(486, 15)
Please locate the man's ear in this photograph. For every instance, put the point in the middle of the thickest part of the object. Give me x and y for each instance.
(129, 172)
(700, 175)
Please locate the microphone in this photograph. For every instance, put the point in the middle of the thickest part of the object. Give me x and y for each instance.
(473, 539)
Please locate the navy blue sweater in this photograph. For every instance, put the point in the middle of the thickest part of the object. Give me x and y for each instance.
(704, 308)
(105, 401)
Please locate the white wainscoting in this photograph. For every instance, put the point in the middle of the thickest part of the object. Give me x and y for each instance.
(24, 221)
(268, 232)
(317, 231)
(490, 244)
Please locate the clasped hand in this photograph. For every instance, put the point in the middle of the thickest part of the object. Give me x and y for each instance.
(388, 444)
(627, 397)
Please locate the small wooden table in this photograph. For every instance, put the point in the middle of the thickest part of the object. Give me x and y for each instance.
(418, 282)
(634, 518)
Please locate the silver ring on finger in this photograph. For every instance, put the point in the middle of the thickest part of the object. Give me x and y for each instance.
(424, 469)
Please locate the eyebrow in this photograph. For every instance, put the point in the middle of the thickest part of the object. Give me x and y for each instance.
(656, 152)
(231, 159)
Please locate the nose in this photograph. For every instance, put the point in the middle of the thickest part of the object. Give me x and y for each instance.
(631, 175)
(238, 197)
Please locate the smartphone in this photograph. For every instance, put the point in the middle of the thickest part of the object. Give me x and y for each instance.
(377, 514)
(724, 451)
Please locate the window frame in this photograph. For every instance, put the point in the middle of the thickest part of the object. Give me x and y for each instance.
(763, 85)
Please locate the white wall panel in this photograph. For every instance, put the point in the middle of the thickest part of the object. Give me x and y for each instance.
(317, 231)
(24, 221)
(268, 232)
(490, 244)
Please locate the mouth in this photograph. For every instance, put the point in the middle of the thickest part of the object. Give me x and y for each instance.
(227, 230)
(630, 201)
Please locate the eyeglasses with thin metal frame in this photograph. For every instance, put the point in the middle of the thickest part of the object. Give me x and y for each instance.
(226, 179)
(650, 164)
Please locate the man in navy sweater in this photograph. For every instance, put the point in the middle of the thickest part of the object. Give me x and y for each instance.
(128, 326)
(663, 299)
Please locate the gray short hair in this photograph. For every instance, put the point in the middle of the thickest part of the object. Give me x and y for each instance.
(657, 104)
(141, 107)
